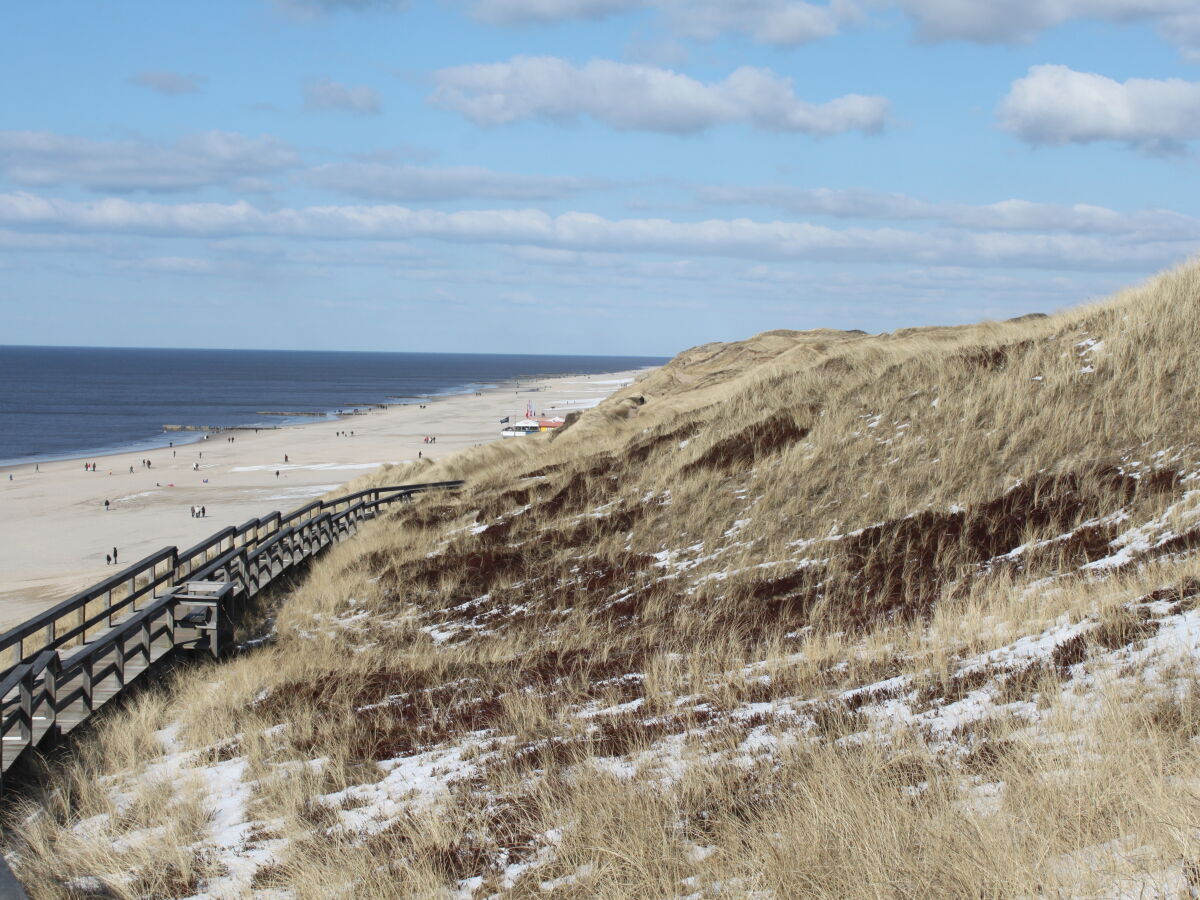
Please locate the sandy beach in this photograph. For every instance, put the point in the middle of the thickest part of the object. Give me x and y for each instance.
(55, 532)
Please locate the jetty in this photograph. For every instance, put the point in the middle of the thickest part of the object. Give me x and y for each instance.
(63, 665)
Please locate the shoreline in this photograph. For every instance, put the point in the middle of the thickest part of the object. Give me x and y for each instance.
(195, 433)
(57, 531)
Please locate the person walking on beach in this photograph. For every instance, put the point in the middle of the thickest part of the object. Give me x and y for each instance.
(106, 506)
(285, 457)
(203, 513)
(108, 559)
(114, 556)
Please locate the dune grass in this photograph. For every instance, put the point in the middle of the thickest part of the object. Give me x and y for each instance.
(813, 614)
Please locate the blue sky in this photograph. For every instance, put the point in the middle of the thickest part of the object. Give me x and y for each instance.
(583, 176)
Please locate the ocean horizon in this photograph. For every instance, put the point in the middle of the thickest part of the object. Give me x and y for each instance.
(68, 402)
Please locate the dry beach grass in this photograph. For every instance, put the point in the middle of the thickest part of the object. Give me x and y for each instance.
(813, 614)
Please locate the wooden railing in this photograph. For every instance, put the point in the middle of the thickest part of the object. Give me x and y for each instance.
(73, 658)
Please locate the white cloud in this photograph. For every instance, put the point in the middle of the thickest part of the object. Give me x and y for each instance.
(792, 22)
(994, 22)
(40, 158)
(169, 83)
(1005, 215)
(986, 21)
(1184, 30)
(1056, 105)
(529, 12)
(383, 181)
(637, 97)
(739, 238)
(781, 22)
(324, 93)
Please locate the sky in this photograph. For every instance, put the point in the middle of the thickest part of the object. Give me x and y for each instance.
(582, 176)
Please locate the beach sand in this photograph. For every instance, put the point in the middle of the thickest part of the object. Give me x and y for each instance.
(55, 532)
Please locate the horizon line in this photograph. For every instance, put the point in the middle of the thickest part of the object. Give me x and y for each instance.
(311, 350)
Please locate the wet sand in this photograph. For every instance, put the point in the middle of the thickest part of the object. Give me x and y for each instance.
(55, 532)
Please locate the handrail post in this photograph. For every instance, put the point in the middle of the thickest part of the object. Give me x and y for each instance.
(145, 641)
(50, 682)
(121, 654)
(27, 706)
(87, 687)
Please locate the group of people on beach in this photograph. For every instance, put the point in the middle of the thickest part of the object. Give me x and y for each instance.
(110, 559)
(344, 434)
(430, 440)
(199, 512)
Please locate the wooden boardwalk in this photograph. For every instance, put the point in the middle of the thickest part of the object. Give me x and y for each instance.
(68, 662)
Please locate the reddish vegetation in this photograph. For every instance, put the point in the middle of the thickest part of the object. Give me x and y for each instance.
(900, 567)
(503, 503)
(472, 570)
(750, 445)
(1128, 627)
(640, 451)
(579, 493)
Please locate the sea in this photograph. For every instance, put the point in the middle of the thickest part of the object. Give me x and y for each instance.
(70, 402)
